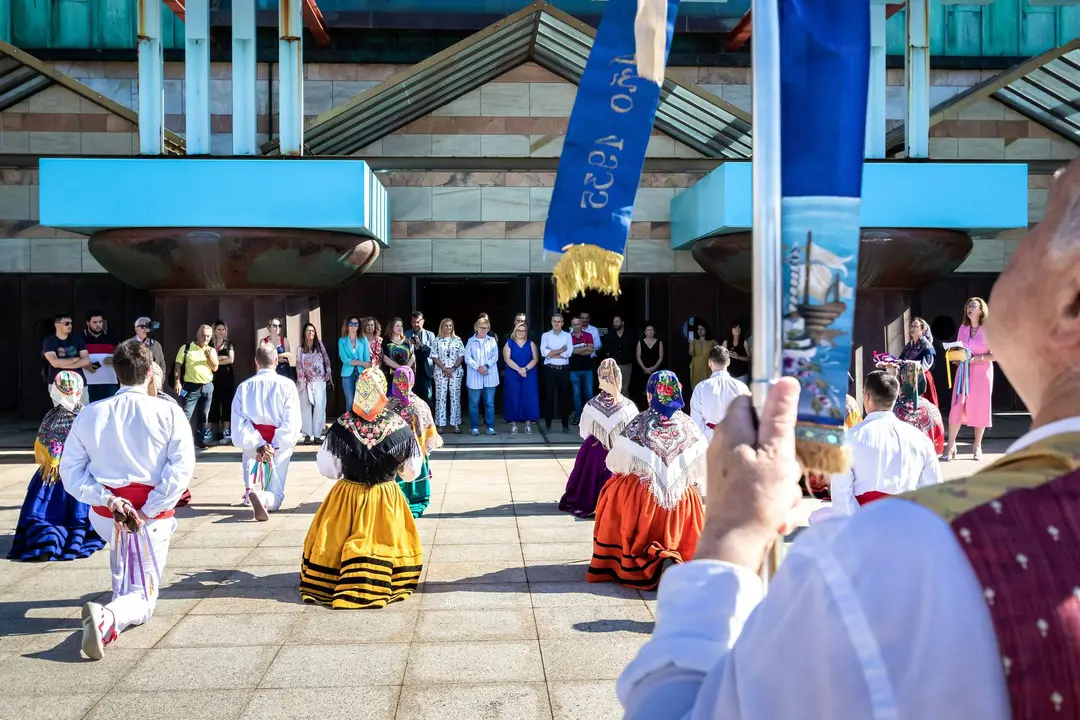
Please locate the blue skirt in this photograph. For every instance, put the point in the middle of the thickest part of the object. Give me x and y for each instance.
(53, 525)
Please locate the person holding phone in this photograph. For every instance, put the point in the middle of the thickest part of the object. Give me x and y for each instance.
(193, 380)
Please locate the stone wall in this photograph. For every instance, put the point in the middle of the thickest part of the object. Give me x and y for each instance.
(460, 222)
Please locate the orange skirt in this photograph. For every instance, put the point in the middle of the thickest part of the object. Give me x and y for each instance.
(633, 535)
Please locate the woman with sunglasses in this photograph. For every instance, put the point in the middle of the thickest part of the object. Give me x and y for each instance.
(279, 341)
(355, 354)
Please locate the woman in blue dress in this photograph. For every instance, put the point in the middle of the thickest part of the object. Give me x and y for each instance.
(53, 525)
(521, 393)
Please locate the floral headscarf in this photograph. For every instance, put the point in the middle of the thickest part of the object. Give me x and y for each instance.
(404, 378)
(67, 389)
(610, 377)
(370, 397)
(666, 392)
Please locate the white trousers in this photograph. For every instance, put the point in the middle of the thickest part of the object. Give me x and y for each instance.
(313, 414)
(129, 606)
(273, 495)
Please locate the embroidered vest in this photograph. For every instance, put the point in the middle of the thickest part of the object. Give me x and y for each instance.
(1018, 522)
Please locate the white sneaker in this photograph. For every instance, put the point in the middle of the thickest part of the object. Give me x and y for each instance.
(93, 631)
(257, 507)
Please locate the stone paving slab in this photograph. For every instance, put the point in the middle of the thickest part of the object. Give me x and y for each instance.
(502, 626)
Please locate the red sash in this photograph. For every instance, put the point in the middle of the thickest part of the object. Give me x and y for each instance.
(267, 432)
(135, 494)
(711, 426)
(870, 496)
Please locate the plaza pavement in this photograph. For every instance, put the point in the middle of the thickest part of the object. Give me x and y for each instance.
(503, 625)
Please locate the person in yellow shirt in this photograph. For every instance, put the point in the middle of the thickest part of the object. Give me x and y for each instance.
(193, 381)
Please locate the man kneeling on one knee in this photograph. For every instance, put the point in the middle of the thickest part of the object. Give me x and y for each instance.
(266, 426)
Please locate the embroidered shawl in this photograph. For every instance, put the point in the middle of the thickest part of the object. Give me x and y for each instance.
(49, 443)
(665, 453)
(605, 417)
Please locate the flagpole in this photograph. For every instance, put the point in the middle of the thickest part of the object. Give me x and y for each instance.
(766, 298)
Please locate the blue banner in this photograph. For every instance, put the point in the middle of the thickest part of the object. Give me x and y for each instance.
(602, 157)
(824, 76)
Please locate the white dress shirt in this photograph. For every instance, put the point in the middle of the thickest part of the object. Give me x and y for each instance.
(551, 341)
(709, 403)
(887, 455)
(877, 615)
(595, 332)
(266, 398)
(130, 438)
(481, 353)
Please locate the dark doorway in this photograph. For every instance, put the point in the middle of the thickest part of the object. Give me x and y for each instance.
(629, 305)
(462, 299)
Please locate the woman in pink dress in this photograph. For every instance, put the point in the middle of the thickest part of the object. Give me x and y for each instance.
(973, 408)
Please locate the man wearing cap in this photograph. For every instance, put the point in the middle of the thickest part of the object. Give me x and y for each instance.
(143, 327)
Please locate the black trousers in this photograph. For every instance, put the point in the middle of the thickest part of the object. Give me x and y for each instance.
(557, 397)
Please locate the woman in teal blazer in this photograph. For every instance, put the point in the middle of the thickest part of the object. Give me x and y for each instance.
(355, 356)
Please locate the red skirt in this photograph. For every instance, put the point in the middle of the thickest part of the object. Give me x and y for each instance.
(633, 535)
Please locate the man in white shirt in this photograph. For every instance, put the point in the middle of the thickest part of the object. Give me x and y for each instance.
(711, 397)
(888, 456)
(130, 457)
(586, 326)
(266, 426)
(882, 614)
(556, 347)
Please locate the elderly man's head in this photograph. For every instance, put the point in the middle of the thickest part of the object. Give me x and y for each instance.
(1034, 329)
(265, 356)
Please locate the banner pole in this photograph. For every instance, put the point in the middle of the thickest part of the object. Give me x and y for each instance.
(766, 298)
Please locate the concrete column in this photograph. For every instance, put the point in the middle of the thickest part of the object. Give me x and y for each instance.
(243, 77)
(917, 80)
(151, 80)
(291, 76)
(875, 105)
(197, 77)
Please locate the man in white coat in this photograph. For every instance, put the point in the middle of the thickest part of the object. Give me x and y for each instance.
(129, 457)
(266, 426)
(711, 397)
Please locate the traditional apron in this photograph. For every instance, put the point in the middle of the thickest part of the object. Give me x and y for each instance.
(1018, 522)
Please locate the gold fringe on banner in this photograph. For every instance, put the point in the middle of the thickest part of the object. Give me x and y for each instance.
(822, 449)
(586, 267)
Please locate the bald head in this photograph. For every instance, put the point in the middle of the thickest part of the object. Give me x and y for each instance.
(266, 356)
(1034, 324)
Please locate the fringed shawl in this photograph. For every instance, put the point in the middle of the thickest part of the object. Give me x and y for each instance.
(665, 453)
(418, 416)
(49, 443)
(371, 451)
(605, 417)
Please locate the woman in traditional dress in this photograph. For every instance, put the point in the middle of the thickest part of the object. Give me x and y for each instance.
(650, 513)
(919, 351)
(913, 408)
(416, 413)
(363, 549)
(54, 525)
(603, 418)
(973, 385)
(448, 352)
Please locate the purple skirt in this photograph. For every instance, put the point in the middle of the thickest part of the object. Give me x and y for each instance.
(586, 479)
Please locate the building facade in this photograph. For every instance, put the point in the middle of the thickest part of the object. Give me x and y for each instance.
(469, 180)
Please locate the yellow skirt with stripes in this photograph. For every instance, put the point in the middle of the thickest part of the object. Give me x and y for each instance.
(362, 549)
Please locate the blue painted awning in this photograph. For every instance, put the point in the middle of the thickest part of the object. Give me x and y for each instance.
(89, 195)
(977, 198)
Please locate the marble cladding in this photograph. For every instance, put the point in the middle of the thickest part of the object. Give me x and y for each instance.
(515, 255)
(46, 255)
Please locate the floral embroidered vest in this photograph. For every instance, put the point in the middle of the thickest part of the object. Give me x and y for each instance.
(1018, 521)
